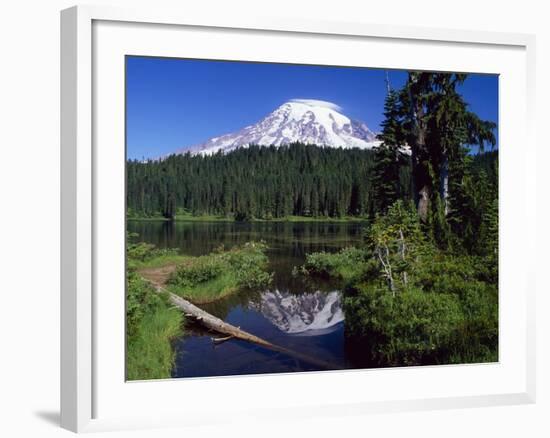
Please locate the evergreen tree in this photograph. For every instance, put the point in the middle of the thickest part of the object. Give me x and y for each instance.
(389, 157)
(438, 127)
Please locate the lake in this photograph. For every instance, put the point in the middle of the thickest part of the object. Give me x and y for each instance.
(299, 314)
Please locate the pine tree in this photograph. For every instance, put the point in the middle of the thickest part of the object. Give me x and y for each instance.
(388, 156)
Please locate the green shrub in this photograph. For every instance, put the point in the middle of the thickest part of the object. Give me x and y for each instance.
(408, 302)
(445, 314)
(409, 328)
(249, 264)
(477, 338)
(198, 270)
(216, 275)
(444, 273)
(140, 300)
(348, 264)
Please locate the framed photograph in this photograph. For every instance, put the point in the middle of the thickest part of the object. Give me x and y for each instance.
(292, 218)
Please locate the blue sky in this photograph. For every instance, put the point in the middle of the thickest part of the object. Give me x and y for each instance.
(173, 103)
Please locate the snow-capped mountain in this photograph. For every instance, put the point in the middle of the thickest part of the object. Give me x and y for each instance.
(298, 120)
(301, 313)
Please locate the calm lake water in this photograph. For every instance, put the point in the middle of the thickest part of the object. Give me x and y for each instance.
(295, 313)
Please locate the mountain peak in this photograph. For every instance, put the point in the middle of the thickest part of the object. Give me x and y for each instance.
(315, 103)
(309, 121)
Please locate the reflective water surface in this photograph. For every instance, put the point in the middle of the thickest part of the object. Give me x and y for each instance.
(295, 313)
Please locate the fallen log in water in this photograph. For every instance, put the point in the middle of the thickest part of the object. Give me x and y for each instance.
(215, 324)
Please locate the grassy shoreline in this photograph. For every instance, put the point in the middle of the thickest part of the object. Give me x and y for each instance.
(152, 324)
(214, 276)
(202, 279)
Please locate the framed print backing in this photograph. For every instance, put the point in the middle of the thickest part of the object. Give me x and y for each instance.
(95, 392)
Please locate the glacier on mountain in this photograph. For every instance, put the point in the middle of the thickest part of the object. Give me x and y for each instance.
(307, 121)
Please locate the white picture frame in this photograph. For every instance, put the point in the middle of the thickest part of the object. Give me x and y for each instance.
(92, 391)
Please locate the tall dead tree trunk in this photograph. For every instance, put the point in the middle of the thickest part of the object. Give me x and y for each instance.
(444, 184)
(421, 188)
(423, 205)
(402, 251)
(422, 176)
(383, 253)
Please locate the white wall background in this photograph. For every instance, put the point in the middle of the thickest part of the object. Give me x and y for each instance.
(29, 216)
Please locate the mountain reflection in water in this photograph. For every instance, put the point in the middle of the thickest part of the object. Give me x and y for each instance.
(309, 312)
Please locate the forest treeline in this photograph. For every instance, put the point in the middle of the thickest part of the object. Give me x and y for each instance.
(266, 183)
(255, 182)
